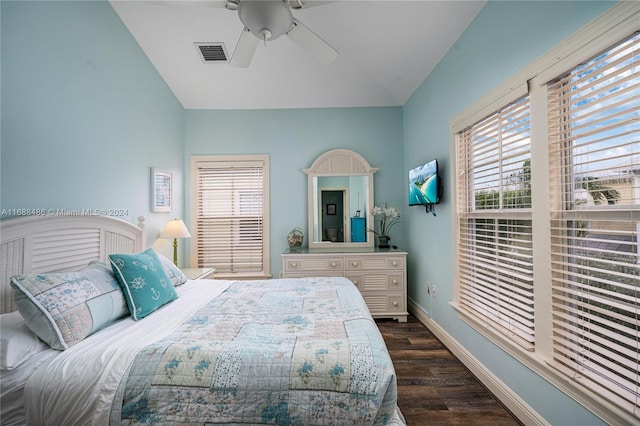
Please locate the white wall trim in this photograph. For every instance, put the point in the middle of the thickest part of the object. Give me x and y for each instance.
(240, 159)
(523, 411)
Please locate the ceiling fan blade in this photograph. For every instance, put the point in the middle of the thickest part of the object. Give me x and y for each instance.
(310, 42)
(305, 4)
(245, 49)
(207, 3)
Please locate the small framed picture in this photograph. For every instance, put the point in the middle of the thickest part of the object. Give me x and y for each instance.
(161, 190)
(331, 209)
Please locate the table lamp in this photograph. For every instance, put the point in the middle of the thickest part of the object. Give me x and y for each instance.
(175, 229)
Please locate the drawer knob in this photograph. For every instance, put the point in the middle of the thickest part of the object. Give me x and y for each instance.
(355, 282)
(333, 264)
(394, 263)
(394, 282)
(354, 263)
(294, 264)
(395, 303)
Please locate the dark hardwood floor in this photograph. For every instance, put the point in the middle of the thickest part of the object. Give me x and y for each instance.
(434, 387)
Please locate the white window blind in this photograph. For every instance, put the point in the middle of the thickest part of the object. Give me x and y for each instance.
(230, 216)
(494, 222)
(594, 148)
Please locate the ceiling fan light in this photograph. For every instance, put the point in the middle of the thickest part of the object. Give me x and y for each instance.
(265, 34)
(262, 17)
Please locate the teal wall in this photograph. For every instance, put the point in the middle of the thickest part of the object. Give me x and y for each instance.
(504, 38)
(84, 113)
(294, 139)
(88, 110)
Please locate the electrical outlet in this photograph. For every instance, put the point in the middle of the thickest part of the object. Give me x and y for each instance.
(434, 291)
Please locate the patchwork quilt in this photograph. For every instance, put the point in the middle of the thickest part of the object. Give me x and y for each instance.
(285, 352)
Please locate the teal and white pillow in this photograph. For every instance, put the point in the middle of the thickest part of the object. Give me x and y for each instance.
(145, 284)
(64, 308)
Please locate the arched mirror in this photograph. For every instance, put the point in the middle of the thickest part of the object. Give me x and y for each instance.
(340, 187)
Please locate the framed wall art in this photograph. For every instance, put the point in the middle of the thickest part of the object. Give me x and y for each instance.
(161, 190)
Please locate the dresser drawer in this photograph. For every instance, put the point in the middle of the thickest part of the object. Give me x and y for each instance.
(386, 303)
(388, 281)
(380, 276)
(396, 263)
(313, 264)
(353, 264)
(308, 274)
(374, 262)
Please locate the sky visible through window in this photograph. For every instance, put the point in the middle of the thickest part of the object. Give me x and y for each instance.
(605, 116)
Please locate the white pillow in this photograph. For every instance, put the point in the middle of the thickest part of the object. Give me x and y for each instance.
(176, 276)
(17, 342)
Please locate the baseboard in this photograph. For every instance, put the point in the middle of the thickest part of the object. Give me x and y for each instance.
(523, 411)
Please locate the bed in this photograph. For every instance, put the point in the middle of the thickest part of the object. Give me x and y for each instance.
(281, 351)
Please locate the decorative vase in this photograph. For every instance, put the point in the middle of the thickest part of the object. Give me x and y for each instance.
(295, 239)
(383, 241)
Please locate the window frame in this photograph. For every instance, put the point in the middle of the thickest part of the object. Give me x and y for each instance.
(489, 150)
(227, 160)
(619, 22)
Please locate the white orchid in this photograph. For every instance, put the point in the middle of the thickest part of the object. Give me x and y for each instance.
(389, 216)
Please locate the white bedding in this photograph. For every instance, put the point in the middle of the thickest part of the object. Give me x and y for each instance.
(12, 384)
(59, 387)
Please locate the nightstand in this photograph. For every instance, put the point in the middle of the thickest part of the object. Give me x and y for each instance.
(198, 273)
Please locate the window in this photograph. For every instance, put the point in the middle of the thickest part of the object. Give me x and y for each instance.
(494, 214)
(230, 211)
(594, 137)
(547, 207)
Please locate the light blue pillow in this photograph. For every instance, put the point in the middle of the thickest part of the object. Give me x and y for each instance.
(145, 285)
(64, 308)
(176, 276)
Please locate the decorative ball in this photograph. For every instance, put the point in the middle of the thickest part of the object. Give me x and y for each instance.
(295, 238)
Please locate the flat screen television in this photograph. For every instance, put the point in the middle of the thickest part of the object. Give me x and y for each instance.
(424, 184)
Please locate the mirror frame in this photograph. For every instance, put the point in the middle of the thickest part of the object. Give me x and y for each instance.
(339, 163)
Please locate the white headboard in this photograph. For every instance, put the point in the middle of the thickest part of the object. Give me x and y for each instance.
(45, 244)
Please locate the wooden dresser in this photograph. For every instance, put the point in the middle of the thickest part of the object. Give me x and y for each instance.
(381, 276)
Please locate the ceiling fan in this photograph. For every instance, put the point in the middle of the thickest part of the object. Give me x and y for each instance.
(266, 20)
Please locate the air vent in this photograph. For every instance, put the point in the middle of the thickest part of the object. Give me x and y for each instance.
(212, 52)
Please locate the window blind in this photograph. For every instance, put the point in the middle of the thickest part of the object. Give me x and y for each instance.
(230, 216)
(495, 254)
(594, 148)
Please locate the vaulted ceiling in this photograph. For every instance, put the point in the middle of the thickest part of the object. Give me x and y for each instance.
(386, 49)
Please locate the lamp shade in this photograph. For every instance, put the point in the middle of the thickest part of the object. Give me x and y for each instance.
(175, 229)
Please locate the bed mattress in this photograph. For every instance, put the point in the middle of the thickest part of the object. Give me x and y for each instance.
(288, 351)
